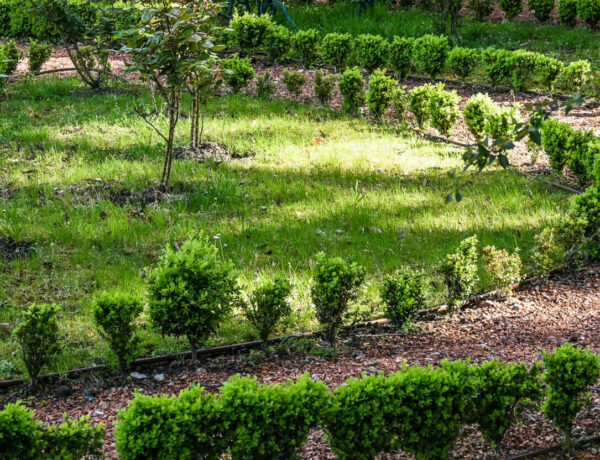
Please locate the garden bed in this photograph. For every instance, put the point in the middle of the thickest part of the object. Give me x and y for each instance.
(538, 318)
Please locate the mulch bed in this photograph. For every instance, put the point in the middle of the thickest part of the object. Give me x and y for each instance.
(514, 329)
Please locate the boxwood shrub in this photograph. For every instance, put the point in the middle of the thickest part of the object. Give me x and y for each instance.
(306, 45)
(575, 76)
(249, 31)
(381, 93)
(463, 61)
(567, 12)
(589, 11)
(277, 43)
(403, 296)
(430, 53)
(337, 49)
(476, 113)
(511, 8)
(541, 9)
(352, 86)
(443, 109)
(371, 51)
(497, 65)
(400, 56)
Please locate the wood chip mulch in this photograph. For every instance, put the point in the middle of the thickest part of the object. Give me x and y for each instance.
(538, 318)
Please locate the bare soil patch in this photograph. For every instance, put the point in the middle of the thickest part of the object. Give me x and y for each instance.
(11, 249)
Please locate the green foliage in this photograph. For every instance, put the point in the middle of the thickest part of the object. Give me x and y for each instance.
(476, 112)
(189, 427)
(511, 8)
(503, 268)
(271, 421)
(459, 270)
(400, 102)
(403, 295)
(584, 217)
(523, 64)
(541, 9)
(481, 8)
(589, 11)
(569, 373)
(462, 61)
(335, 284)
(380, 94)
(277, 42)
(501, 123)
(268, 305)
(352, 87)
(443, 109)
(294, 81)
(324, 86)
(418, 103)
(371, 51)
(337, 49)
(306, 43)
(501, 392)
(73, 439)
(567, 12)
(115, 315)
(238, 72)
(581, 156)
(497, 63)
(38, 338)
(546, 253)
(38, 55)
(400, 56)
(429, 54)
(191, 291)
(556, 140)
(265, 87)
(548, 70)
(249, 31)
(575, 76)
(10, 56)
(21, 432)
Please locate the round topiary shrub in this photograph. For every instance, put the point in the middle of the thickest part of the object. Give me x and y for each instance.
(277, 43)
(567, 12)
(541, 9)
(462, 61)
(249, 31)
(400, 56)
(476, 112)
(371, 51)
(352, 87)
(511, 8)
(380, 94)
(429, 54)
(443, 109)
(589, 11)
(306, 45)
(481, 8)
(337, 49)
(238, 72)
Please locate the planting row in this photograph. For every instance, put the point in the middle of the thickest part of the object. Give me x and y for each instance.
(416, 410)
(192, 290)
(430, 55)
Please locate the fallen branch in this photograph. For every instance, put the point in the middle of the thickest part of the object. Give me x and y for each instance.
(554, 448)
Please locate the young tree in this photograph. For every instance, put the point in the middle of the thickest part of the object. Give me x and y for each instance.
(173, 49)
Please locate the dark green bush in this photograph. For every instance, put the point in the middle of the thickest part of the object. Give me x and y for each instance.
(10, 56)
(497, 65)
(463, 61)
(277, 43)
(511, 8)
(575, 76)
(20, 433)
(569, 373)
(189, 426)
(249, 31)
(589, 11)
(271, 421)
(584, 216)
(265, 87)
(335, 285)
(306, 43)
(38, 55)
(581, 157)
(476, 113)
(400, 56)
(541, 9)
(294, 81)
(548, 69)
(238, 72)
(418, 103)
(546, 253)
(459, 270)
(324, 86)
(38, 337)
(567, 12)
(73, 439)
(400, 102)
(403, 295)
(429, 54)
(115, 315)
(501, 391)
(501, 123)
(191, 291)
(380, 94)
(268, 305)
(523, 65)
(352, 87)
(337, 49)
(556, 139)
(371, 51)
(481, 8)
(443, 109)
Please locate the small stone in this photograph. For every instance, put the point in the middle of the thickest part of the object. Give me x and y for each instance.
(201, 369)
(372, 369)
(98, 413)
(138, 376)
(374, 363)
(319, 232)
(63, 391)
(159, 377)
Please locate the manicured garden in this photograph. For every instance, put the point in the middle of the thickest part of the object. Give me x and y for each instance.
(234, 184)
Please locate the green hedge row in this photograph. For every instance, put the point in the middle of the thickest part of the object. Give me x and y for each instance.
(417, 410)
(430, 55)
(24, 437)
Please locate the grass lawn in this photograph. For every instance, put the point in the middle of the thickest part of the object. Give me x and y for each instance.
(554, 40)
(372, 192)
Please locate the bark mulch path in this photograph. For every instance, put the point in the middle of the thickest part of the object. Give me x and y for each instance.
(538, 318)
